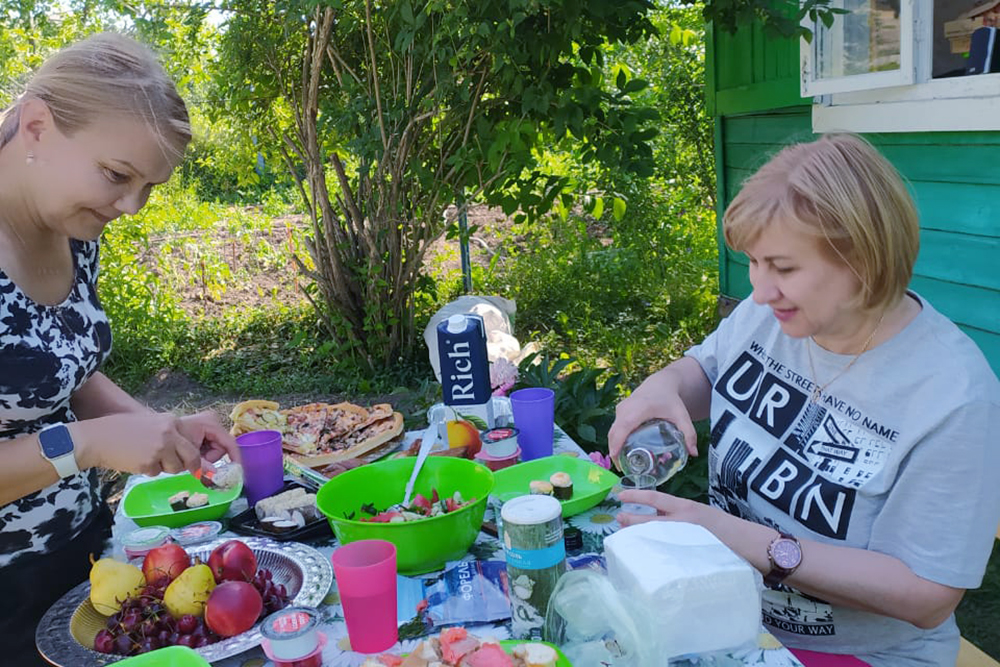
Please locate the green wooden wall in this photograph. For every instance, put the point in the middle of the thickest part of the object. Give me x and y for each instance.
(954, 178)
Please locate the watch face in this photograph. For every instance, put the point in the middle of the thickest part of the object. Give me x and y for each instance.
(786, 554)
(55, 441)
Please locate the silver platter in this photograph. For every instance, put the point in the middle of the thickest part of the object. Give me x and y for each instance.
(299, 567)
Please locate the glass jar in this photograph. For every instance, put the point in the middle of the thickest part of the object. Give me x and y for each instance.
(656, 448)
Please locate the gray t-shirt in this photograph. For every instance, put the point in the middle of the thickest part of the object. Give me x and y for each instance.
(899, 456)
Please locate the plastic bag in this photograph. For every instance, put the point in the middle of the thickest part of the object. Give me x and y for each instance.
(496, 312)
(466, 593)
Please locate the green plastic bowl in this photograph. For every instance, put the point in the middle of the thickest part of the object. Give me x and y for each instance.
(169, 656)
(424, 545)
(148, 503)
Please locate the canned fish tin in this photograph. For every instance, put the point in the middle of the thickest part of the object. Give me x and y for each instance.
(500, 442)
(536, 558)
(141, 541)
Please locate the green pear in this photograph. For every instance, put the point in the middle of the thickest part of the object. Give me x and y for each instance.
(111, 581)
(188, 593)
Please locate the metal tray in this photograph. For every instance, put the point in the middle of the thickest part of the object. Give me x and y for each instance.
(66, 631)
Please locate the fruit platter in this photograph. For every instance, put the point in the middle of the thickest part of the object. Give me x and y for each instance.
(210, 598)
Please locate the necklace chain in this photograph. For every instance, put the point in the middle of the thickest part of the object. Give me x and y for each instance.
(817, 388)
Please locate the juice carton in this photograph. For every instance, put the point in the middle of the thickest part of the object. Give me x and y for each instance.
(465, 370)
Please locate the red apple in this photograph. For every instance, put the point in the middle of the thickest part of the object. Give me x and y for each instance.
(232, 561)
(165, 562)
(232, 608)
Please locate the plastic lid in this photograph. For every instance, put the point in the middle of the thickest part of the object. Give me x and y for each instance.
(150, 536)
(197, 532)
(456, 323)
(289, 622)
(530, 510)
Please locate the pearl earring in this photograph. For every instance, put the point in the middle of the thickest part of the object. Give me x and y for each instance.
(30, 159)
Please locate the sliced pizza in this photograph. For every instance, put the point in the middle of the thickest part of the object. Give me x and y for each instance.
(256, 415)
(356, 443)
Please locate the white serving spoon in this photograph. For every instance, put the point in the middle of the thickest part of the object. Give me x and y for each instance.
(427, 441)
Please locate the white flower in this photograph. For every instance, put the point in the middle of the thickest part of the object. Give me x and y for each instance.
(596, 521)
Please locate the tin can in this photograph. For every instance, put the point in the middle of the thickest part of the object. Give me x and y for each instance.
(536, 557)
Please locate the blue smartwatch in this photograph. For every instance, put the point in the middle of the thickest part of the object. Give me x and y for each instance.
(56, 445)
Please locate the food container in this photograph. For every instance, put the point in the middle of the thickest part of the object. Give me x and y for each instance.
(292, 638)
(536, 559)
(141, 541)
(500, 442)
(248, 523)
(196, 532)
(495, 463)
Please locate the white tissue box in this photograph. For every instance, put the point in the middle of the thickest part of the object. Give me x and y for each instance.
(700, 596)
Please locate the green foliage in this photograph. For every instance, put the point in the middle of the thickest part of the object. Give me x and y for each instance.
(779, 18)
(432, 101)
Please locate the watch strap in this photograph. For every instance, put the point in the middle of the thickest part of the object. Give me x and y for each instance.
(65, 464)
(777, 574)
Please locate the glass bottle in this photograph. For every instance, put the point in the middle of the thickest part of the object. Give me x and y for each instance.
(656, 448)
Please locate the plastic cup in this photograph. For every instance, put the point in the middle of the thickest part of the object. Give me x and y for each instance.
(638, 483)
(534, 417)
(263, 466)
(366, 578)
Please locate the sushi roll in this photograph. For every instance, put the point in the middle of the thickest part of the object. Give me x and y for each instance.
(197, 500)
(536, 655)
(178, 501)
(562, 485)
(540, 487)
(282, 526)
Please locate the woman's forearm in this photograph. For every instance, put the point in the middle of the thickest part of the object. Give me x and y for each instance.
(850, 577)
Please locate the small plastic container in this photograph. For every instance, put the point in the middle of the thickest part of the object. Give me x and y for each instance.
(194, 533)
(140, 542)
(292, 638)
(498, 463)
(500, 443)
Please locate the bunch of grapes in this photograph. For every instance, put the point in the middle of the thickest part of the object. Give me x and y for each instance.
(144, 624)
(274, 596)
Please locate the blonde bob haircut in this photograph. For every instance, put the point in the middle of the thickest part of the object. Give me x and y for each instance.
(106, 74)
(840, 189)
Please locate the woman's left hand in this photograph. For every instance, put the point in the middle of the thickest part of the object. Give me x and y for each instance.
(668, 508)
(205, 430)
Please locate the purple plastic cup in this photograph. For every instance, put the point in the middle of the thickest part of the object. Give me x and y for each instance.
(263, 465)
(534, 417)
(366, 580)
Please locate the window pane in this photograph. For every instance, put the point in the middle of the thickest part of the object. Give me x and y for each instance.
(864, 40)
(954, 22)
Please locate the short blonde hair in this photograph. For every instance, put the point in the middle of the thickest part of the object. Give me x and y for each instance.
(106, 73)
(842, 189)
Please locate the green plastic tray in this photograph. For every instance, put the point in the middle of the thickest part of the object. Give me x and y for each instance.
(148, 503)
(170, 656)
(591, 482)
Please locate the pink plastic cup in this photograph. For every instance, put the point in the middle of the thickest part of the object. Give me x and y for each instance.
(534, 417)
(366, 578)
(263, 467)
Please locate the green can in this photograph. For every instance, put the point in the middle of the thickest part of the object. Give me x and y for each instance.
(536, 558)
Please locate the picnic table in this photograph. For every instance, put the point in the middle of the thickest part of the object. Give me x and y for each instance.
(594, 524)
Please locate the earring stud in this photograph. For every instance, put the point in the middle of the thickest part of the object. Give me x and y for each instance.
(30, 159)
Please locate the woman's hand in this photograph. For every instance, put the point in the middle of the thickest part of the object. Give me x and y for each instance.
(150, 443)
(668, 508)
(678, 393)
(214, 441)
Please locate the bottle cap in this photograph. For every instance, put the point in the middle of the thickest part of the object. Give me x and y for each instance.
(529, 510)
(456, 323)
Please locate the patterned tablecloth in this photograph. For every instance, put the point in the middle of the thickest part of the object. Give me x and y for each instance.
(594, 524)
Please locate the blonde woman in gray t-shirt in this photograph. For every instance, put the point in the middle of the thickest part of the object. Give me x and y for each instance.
(851, 459)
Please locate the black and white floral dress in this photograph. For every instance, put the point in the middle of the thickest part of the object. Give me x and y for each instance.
(46, 354)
